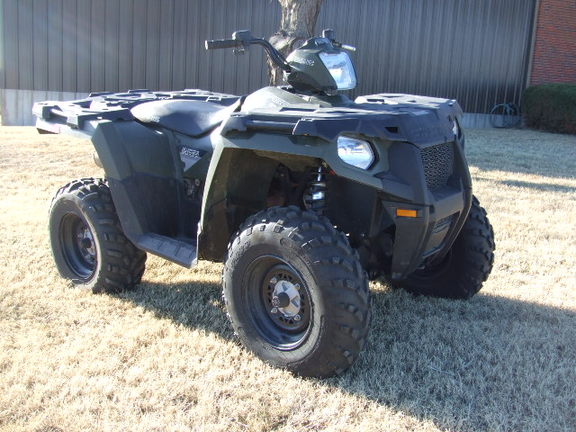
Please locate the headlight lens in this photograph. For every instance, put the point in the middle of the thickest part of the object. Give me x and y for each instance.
(355, 152)
(340, 67)
(455, 128)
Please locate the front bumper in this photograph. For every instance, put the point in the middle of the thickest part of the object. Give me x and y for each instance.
(418, 180)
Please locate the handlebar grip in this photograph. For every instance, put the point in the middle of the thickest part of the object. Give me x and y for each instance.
(222, 43)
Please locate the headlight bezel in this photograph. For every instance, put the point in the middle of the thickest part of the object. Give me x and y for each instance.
(344, 142)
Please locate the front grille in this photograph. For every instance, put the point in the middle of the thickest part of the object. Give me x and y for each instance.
(438, 162)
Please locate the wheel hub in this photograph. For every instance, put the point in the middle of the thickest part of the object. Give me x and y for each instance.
(86, 243)
(79, 246)
(286, 298)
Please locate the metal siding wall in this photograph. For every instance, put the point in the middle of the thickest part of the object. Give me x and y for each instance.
(97, 45)
(2, 38)
(125, 44)
(111, 44)
(55, 42)
(39, 52)
(84, 44)
(10, 15)
(473, 50)
(25, 43)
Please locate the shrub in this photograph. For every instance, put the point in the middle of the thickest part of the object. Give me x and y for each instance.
(551, 107)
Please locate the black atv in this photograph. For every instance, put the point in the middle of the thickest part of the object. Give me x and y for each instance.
(304, 195)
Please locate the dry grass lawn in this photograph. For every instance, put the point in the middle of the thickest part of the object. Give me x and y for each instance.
(163, 358)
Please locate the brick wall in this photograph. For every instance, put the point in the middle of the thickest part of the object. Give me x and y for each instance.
(554, 58)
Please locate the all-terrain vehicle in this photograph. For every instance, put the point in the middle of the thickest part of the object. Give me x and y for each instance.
(302, 193)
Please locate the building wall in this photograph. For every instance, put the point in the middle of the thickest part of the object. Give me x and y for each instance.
(475, 51)
(554, 58)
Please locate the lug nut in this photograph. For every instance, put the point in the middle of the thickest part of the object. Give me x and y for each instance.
(274, 281)
(274, 310)
(297, 318)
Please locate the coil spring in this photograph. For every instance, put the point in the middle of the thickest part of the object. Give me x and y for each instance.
(315, 194)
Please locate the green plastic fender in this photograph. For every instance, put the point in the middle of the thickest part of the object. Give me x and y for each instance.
(240, 172)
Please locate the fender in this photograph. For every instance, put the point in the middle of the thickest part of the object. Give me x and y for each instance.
(235, 189)
(145, 179)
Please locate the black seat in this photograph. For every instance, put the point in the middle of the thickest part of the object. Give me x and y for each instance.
(185, 116)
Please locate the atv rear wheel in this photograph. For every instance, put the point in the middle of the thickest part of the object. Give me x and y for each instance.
(88, 244)
(465, 268)
(296, 293)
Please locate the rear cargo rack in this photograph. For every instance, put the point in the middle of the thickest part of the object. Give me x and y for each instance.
(58, 116)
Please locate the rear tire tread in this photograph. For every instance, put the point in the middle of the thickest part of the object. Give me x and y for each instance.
(122, 263)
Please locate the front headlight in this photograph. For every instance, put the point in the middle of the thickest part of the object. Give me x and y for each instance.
(340, 67)
(456, 128)
(355, 152)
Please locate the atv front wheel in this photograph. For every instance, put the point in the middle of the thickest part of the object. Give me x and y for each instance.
(466, 266)
(88, 244)
(296, 293)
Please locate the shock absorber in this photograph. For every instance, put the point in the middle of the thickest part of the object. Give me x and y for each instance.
(315, 194)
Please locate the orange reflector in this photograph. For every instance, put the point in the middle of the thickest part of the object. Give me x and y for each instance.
(407, 213)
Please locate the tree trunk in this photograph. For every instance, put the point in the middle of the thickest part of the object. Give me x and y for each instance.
(298, 22)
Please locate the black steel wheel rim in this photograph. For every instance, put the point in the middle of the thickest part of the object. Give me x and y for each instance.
(78, 246)
(278, 301)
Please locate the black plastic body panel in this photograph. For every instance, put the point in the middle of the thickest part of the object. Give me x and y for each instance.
(143, 174)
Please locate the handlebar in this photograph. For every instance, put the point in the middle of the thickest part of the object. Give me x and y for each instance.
(222, 43)
(242, 39)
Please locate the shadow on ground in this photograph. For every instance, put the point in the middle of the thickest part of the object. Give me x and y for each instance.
(491, 363)
(487, 364)
(195, 305)
(543, 187)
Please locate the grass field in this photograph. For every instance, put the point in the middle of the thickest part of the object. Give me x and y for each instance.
(163, 358)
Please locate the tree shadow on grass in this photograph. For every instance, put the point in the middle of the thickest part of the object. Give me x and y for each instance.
(543, 187)
(490, 363)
